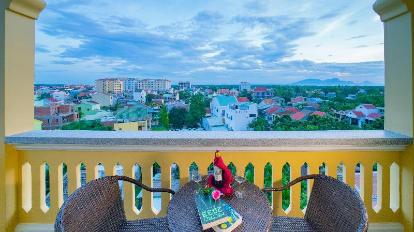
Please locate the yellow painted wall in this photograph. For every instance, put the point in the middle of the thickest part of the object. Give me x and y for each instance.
(16, 93)
(131, 126)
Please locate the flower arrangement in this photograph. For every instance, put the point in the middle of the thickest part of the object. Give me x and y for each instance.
(210, 192)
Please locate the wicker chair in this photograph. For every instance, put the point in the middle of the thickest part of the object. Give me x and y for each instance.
(98, 206)
(332, 206)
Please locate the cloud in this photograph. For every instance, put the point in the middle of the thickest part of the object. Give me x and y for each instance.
(202, 42)
(356, 37)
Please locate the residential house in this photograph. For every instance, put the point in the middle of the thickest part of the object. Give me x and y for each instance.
(297, 101)
(266, 104)
(171, 97)
(240, 115)
(136, 113)
(219, 105)
(132, 126)
(59, 95)
(363, 113)
(104, 99)
(299, 116)
(262, 93)
(356, 118)
(272, 112)
(223, 91)
(242, 99)
(55, 116)
(213, 124)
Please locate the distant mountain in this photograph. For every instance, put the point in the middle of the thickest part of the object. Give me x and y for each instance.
(332, 82)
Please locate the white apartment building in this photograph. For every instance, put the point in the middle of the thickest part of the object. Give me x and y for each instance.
(109, 85)
(130, 84)
(154, 84)
(240, 115)
(245, 86)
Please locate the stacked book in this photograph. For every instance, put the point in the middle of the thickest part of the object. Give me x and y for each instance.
(216, 214)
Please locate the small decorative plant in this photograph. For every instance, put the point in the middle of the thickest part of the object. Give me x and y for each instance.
(210, 192)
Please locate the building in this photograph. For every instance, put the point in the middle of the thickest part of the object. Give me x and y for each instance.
(55, 116)
(262, 93)
(367, 109)
(177, 104)
(213, 124)
(272, 112)
(362, 114)
(245, 86)
(184, 85)
(109, 86)
(159, 85)
(140, 96)
(132, 126)
(240, 115)
(130, 84)
(171, 97)
(297, 101)
(135, 113)
(104, 99)
(87, 108)
(59, 95)
(219, 105)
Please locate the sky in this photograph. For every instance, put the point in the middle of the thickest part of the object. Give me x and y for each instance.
(209, 42)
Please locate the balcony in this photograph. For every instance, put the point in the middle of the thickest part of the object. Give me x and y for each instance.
(387, 189)
(355, 152)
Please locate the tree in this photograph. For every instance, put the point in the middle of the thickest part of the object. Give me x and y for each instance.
(177, 117)
(149, 97)
(259, 124)
(375, 125)
(196, 112)
(245, 93)
(164, 119)
(44, 96)
(185, 95)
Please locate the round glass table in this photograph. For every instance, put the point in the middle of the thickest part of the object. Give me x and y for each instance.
(253, 207)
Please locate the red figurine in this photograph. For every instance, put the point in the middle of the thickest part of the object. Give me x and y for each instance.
(222, 177)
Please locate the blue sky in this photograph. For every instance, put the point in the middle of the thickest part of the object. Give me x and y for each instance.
(209, 42)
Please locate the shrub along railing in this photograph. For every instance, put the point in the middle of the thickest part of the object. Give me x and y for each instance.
(47, 177)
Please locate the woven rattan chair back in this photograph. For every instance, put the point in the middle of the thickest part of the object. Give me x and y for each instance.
(334, 206)
(97, 206)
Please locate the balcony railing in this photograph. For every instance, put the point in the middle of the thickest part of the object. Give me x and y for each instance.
(376, 174)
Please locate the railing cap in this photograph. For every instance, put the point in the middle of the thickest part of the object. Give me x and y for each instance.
(389, 9)
(29, 8)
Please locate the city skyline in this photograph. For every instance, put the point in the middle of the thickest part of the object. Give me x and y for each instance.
(266, 42)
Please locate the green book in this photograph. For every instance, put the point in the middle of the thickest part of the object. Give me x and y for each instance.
(211, 212)
(234, 221)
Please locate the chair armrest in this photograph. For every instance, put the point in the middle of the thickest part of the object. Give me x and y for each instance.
(290, 184)
(138, 183)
